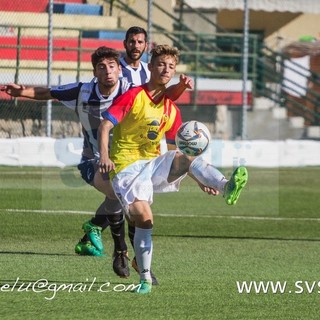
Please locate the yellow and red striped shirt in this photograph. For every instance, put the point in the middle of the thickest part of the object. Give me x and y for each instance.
(140, 123)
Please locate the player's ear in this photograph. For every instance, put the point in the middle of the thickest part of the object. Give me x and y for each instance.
(149, 66)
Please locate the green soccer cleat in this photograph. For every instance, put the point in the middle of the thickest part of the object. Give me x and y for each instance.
(144, 287)
(94, 234)
(235, 185)
(87, 249)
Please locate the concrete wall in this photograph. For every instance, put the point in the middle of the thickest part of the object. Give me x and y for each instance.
(305, 24)
(259, 153)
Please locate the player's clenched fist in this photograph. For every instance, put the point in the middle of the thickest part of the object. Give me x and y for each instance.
(13, 89)
(106, 165)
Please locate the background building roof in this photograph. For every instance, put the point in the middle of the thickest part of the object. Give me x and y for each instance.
(305, 6)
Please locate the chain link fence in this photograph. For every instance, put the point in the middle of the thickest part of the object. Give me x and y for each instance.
(78, 28)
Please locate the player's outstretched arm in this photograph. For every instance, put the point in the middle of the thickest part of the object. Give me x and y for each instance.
(37, 93)
(176, 90)
(105, 164)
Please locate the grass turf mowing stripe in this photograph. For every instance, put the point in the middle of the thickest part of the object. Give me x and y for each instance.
(169, 215)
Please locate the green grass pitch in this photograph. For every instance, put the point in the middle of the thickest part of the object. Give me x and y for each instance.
(204, 250)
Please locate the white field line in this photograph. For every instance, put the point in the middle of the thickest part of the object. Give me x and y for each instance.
(167, 215)
(44, 172)
(47, 211)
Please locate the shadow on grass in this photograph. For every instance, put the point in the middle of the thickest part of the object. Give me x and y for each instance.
(234, 237)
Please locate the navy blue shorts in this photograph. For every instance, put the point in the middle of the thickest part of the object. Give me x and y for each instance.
(87, 169)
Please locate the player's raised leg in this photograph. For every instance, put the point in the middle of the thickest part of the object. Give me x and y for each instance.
(208, 175)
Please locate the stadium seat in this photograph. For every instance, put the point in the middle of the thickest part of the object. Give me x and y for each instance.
(65, 49)
(76, 8)
(27, 19)
(31, 6)
(115, 35)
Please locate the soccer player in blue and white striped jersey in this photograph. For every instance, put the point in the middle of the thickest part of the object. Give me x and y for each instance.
(133, 68)
(89, 100)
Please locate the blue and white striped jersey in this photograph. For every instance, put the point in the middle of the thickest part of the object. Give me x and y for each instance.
(138, 76)
(86, 100)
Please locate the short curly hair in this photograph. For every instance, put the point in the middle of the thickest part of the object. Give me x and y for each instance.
(104, 53)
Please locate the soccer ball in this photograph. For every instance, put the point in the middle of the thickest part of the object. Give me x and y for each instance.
(192, 138)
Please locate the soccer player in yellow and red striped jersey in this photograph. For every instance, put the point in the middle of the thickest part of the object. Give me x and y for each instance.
(140, 118)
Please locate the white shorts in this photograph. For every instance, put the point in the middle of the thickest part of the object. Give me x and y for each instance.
(144, 177)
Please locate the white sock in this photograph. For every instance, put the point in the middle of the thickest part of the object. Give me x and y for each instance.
(207, 174)
(143, 250)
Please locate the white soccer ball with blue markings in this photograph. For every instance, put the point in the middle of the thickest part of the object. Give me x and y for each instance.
(193, 138)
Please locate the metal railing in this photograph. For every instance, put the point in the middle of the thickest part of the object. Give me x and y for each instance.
(285, 92)
(20, 48)
(201, 61)
(210, 58)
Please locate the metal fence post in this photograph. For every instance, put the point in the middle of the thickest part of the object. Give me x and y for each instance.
(245, 71)
(49, 69)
